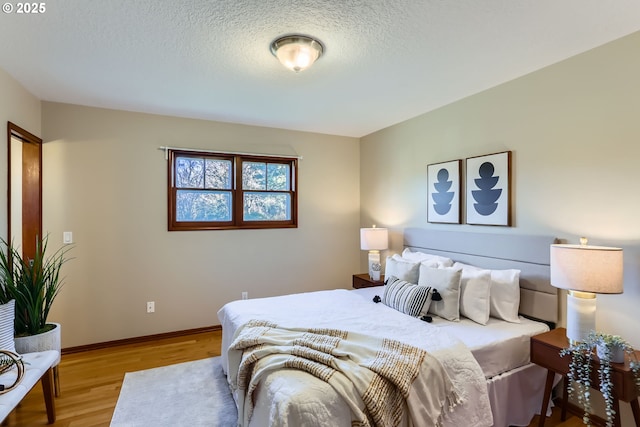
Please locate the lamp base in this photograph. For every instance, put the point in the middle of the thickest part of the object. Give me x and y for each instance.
(374, 257)
(581, 315)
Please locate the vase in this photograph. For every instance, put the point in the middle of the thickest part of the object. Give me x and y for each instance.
(375, 275)
(49, 340)
(616, 352)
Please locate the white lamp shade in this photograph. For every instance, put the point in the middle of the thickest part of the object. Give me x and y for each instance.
(374, 239)
(583, 268)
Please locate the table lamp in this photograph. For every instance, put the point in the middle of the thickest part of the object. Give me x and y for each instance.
(374, 240)
(585, 271)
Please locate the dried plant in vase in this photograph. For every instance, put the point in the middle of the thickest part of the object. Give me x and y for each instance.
(376, 267)
(610, 349)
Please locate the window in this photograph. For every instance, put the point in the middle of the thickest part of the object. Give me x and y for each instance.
(210, 191)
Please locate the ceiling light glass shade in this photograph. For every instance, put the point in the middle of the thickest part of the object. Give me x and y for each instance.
(297, 52)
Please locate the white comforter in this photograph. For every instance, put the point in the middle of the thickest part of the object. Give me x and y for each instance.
(291, 398)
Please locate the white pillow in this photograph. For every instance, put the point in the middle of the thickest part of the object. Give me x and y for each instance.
(447, 282)
(474, 295)
(504, 293)
(441, 261)
(7, 315)
(406, 297)
(403, 270)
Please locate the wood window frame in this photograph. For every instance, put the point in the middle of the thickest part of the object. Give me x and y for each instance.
(237, 192)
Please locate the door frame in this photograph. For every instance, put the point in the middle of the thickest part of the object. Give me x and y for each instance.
(15, 131)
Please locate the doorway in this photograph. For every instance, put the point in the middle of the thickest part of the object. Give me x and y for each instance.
(25, 189)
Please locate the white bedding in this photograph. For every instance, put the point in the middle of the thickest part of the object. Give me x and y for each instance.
(293, 398)
(498, 346)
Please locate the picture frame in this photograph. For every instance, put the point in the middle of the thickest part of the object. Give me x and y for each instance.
(443, 192)
(488, 189)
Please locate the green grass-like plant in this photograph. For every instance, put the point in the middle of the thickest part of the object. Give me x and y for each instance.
(33, 283)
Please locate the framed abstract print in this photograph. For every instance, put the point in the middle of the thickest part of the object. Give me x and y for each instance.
(443, 192)
(488, 189)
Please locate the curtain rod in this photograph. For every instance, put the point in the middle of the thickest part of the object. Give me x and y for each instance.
(166, 153)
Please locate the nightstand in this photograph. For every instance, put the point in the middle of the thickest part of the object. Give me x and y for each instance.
(364, 281)
(545, 352)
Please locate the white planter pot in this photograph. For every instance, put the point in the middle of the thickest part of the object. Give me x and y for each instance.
(616, 353)
(50, 340)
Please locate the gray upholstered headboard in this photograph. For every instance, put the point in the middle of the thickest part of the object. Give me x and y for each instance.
(529, 254)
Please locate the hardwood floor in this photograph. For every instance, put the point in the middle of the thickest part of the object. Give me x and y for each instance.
(554, 421)
(90, 381)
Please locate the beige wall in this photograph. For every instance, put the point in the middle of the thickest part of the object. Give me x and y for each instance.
(574, 130)
(23, 109)
(105, 180)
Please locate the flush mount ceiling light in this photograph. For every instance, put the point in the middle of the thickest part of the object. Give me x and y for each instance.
(297, 52)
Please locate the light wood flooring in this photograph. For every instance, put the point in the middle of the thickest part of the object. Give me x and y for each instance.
(90, 381)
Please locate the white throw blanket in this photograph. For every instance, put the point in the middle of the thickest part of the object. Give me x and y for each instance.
(380, 379)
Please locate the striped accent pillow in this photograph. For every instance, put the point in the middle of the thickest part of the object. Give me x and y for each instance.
(406, 297)
(7, 314)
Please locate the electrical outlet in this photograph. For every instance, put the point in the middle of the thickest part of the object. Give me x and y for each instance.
(151, 307)
(245, 295)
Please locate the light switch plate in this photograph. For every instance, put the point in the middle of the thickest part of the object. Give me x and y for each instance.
(67, 237)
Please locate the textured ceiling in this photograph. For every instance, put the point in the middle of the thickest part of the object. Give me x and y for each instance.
(385, 60)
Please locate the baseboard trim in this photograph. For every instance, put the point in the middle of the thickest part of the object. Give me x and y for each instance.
(137, 340)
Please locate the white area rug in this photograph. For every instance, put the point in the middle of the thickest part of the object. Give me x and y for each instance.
(190, 394)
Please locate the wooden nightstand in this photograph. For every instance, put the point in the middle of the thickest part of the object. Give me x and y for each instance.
(363, 281)
(545, 352)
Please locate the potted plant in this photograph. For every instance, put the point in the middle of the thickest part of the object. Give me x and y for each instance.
(33, 284)
(610, 349)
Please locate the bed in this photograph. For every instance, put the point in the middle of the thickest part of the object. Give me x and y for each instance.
(487, 364)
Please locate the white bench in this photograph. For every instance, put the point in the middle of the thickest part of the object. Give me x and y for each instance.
(37, 366)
